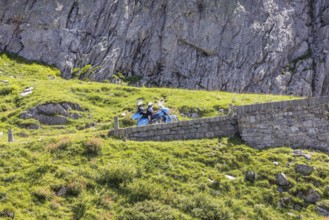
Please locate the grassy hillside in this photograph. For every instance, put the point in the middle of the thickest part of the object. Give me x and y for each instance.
(76, 172)
(101, 101)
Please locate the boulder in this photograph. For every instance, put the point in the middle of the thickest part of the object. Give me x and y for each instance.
(75, 116)
(52, 109)
(33, 126)
(250, 176)
(304, 169)
(282, 180)
(312, 196)
(300, 195)
(52, 120)
(280, 189)
(8, 214)
(322, 208)
(66, 106)
(297, 207)
(25, 115)
(62, 191)
(51, 114)
(71, 106)
(301, 153)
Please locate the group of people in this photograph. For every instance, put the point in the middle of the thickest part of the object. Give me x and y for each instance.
(149, 113)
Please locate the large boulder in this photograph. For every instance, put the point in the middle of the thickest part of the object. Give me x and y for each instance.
(51, 109)
(52, 113)
(52, 120)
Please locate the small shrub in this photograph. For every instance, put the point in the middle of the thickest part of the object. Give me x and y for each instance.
(326, 192)
(4, 108)
(148, 210)
(28, 123)
(54, 204)
(117, 173)
(7, 90)
(76, 185)
(62, 144)
(85, 70)
(41, 195)
(126, 122)
(40, 170)
(140, 190)
(3, 196)
(93, 146)
(204, 207)
(79, 210)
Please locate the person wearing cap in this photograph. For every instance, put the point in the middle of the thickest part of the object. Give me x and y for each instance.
(149, 112)
(140, 109)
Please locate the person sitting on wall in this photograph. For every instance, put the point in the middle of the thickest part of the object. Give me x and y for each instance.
(149, 112)
(140, 109)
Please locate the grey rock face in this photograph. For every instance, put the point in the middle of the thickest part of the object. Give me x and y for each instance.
(245, 46)
(304, 169)
(282, 180)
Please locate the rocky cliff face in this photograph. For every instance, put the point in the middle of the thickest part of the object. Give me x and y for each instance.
(270, 46)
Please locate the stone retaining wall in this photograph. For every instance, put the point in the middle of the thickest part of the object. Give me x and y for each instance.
(297, 123)
(183, 130)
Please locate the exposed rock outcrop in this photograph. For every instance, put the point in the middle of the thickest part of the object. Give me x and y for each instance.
(53, 113)
(269, 46)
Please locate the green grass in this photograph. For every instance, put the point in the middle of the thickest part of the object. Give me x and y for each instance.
(112, 179)
(101, 101)
(170, 180)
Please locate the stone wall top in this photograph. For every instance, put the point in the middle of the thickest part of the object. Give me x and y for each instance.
(282, 104)
(174, 124)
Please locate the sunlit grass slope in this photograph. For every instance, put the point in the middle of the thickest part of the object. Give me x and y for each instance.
(76, 172)
(101, 101)
(112, 179)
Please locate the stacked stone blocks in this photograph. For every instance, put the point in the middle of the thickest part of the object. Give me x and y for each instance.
(297, 123)
(183, 130)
